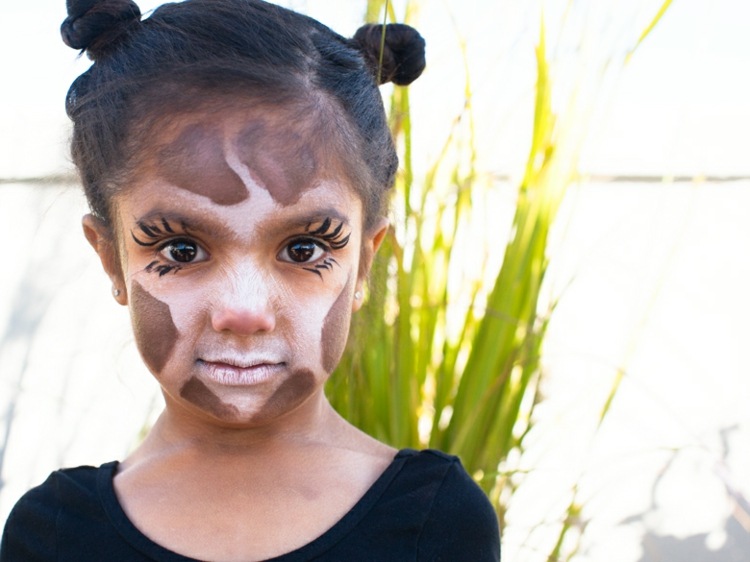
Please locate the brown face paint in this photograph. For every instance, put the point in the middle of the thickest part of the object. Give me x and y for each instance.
(335, 329)
(155, 332)
(198, 393)
(280, 160)
(290, 394)
(195, 161)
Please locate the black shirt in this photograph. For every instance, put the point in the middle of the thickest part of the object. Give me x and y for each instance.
(423, 507)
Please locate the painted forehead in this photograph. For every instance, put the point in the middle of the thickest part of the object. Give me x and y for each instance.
(222, 160)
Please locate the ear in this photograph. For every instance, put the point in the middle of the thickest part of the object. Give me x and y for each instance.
(370, 244)
(102, 239)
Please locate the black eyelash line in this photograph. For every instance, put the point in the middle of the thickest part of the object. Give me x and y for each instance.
(334, 239)
(162, 269)
(327, 264)
(153, 231)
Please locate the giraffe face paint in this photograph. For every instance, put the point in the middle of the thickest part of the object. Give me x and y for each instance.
(241, 311)
(198, 393)
(336, 328)
(153, 327)
(267, 153)
(195, 161)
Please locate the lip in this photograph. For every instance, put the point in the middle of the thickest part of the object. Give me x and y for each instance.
(233, 372)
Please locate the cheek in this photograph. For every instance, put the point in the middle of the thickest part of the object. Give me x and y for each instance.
(195, 161)
(335, 329)
(154, 329)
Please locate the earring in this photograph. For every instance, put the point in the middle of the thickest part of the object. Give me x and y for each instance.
(358, 295)
(115, 292)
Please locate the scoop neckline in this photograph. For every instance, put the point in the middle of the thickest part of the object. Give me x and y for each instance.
(139, 541)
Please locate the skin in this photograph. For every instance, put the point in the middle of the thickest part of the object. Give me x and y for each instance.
(154, 329)
(335, 329)
(260, 148)
(196, 153)
(256, 445)
(198, 393)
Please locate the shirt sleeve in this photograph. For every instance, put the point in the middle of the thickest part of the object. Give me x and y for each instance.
(30, 531)
(462, 525)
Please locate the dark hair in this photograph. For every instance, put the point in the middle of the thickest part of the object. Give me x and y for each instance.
(169, 62)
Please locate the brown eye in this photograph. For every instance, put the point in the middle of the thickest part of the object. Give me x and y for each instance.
(301, 251)
(182, 251)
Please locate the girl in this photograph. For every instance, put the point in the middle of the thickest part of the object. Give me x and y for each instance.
(236, 159)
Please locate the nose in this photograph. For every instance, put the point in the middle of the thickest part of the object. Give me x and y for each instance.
(244, 305)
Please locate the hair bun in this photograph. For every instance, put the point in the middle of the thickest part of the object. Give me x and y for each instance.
(403, 56)
(95, 25)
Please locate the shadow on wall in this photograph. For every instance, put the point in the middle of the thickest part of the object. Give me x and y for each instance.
(696, 548)
(731, 543)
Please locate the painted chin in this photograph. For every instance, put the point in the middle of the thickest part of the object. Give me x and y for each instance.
(290, 394)
(196, 392)
(298, 387)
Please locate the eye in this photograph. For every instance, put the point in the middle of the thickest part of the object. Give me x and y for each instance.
(183, 251)
(302, 251)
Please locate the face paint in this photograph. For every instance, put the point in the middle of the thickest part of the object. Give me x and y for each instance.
(150, 234)
(336, 238)
(162, 269)
(195, 161)
(335, 329)
(282, 162)
(290, 394)
(154, 329)
(224, 246)
(326, 265)
(199, 394)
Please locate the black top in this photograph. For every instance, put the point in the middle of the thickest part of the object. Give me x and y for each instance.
(423, 507)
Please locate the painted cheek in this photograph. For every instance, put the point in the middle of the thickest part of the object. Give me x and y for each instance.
(335, 329)
(155, 332)
(195, 161)
(280, 161)
(198, 393)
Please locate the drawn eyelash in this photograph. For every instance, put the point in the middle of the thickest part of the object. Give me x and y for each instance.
(327, 264)
(162, 269)
(334, 238)
(154, 231)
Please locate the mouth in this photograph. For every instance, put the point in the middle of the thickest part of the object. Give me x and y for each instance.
(227, 371)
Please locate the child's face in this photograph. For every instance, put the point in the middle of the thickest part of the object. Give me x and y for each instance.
(239, 255)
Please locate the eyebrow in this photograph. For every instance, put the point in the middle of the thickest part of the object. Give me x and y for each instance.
(159, 218)
(308, 219)
(213, 225)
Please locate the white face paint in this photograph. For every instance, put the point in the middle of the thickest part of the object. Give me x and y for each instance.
(240, 303)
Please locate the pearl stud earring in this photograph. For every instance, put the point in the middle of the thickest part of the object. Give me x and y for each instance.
(358, 295)
(115, 292)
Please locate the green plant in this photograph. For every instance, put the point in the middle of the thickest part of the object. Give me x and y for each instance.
(450, 360)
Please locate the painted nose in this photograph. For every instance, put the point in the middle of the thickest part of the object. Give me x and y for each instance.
(245, 307)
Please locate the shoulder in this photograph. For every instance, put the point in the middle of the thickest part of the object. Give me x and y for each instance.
(461, 523)
(31, 529)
